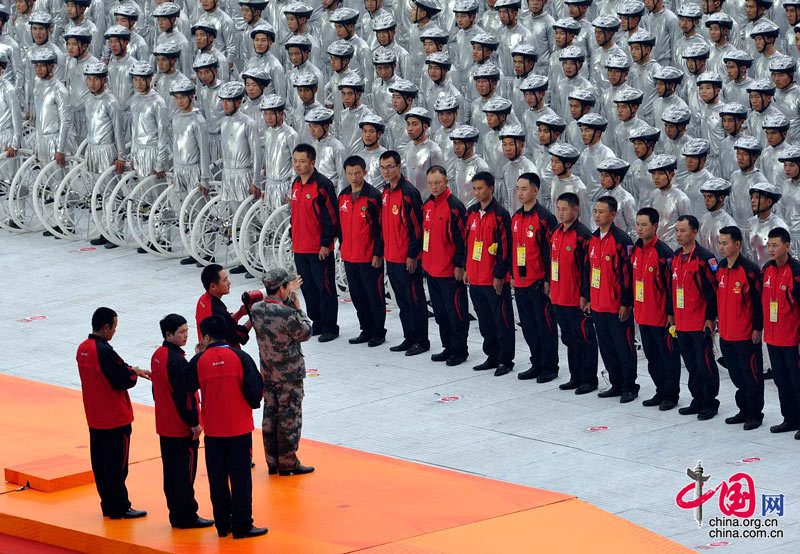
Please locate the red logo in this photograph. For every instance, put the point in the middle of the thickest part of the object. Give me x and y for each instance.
(737, 495)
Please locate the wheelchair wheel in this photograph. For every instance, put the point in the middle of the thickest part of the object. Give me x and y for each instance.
(44, 191)
(20, 194)
(269, 239)
(103, 188)
(249, 235)
(138, 210)
(194, 202)
(73, 205)
(284, 247)
(341, 276)
(162, 227)
(211, 234)
(115, 210)
(8, 169)
(238, 219)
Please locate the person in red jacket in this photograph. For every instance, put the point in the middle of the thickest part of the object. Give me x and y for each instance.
(608, 294)
(443, 260)
(231, 388)
(569, 249)
(694, 303)
(217, 284)
(361, 245)
(179, 442)
(105, 380)
(314, 222)
(531, 228)
(740, 324)
(488, 242)
(401, 224)
(780, 302)
(652, 310)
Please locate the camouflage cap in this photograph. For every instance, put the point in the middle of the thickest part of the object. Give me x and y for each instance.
(277, 277)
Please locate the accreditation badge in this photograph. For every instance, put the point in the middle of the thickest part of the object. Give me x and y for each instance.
(639, 291)
(426, 239)
(595, 277)
(773, 311)
(554, 271)
(477, 250)
(679, 298)
(521, 256)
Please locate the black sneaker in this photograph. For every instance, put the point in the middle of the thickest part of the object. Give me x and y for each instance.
(98, 241)
(705, 415)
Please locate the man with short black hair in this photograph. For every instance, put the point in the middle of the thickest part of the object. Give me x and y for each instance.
(105, 380)
(217, 284)
(179, 442)
(488, 240)
(231, 388)
(780, 302)
(314, 221)
(740, 324)
(694, 303)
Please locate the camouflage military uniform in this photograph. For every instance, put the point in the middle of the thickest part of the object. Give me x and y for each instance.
(280, 329)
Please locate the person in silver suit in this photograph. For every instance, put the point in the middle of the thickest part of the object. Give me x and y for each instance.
(715, 191)
(330, 150)
(242, 153)
(572, 59)
(263, 37)
(764, 34)
(763, 198)
(385, 27)
(630, 13)
(279, 142)
(592, 126)
(524, 61)
(512, 139)
(484, 62)
(421, 153)
(612, 172)
(105, 134)
(119, 66)
(306, 86)
(667, 79)
(540, 22)
(15, 70)
(669, 201)
(617, 70)
(206, 67)
(737, 64)
(695, 153)
(605, 28)
(562, 157)
(345, 21)
(627, 102)
(10, 122)
(496, 115)
(511, 34)
(761, 93)
(340, 54)
(437, 84)
(790, 204)
(78, 40)
(168, 56)
(676, 121)
(709, 125)
(370, 148)
(689, 16)
(127, 15)
(732, 117)
(719, 29)
(787, 93)
(446, 109)
(167, 17)
(534, 91)
(468, 163)
(580, 102)
(748, 149)
(256, 82)
(421, 13)
(345, 123)
(51, 112)
(190, 145)
(487, 78)
(404, 95)
(638, 180)
(298, 50)
(776, 128)
(466, 18)
(149, 124)
(666, 27)
(565, 30)
(548, 131)
(643, 70)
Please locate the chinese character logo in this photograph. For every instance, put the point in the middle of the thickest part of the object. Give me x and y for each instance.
(772, 504)
(737, 495)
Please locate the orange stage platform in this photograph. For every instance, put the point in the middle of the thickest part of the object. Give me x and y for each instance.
(354, 502)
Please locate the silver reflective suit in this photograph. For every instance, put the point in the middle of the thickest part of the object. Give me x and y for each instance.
(162, 83)
(662, 104)
(789, 209)
(770, 166)
(52, 117)
(279, 143)
(541, 27)
(711, 129)
(510, 38)
(120, 82)
(330, 157)
(465, 170)
(726, 164)
(190, 150)
(226, 39)
(462, 49)
(639, 181)
(755, 120)
(10, 127)
(565, 85)
(788, 102)
(299, 124)
(382, 98)
(105, 134)
(184, 64)
(674, 148)
(291, 94)
(715, 58)
(507, 184)
(756, 236)
(272, 67)
(345, 125)
(626, 210)
(15, 70)
(30, 72)
(738, 205)
(395, 133)
(372, 159)
(710, 224)
(241, 156)
(441, 137)
(597, 67)
(670, 204)
(529, 119)
(211, 107)
(430, 92)
(149, 133)
(735, 91)
(586, 169)
(573, 183)
(690, 185)
(666, 27)
(332, 95)
(623, 146)
(490, 148)
(75, 81)
(418, 159)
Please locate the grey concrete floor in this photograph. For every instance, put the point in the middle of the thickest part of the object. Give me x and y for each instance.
(626, 459)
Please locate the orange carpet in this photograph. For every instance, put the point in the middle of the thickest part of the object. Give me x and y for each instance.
(355, 500)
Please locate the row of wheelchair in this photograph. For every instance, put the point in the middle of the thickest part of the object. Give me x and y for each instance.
(149, 213)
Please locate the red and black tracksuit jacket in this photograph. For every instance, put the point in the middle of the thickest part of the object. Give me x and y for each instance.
(781, 287)
(208, 305)
(359, 224)
(694, 288)
(168, 365)
(569, 250)
(739, 300)
(105, 380)
(314, 214)
(231, 388)
(652, 290)
(401, 222)
(531, 232)
(608, 276)
(489, 243)
(443, 235)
